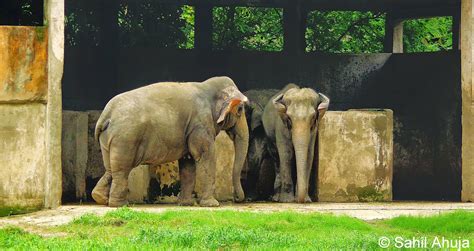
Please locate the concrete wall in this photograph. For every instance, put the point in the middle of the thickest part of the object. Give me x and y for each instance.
(30, 73)
(423, 90)
(355, 156)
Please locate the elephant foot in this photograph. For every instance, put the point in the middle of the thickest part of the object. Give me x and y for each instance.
(211, 202)
(100, 196)
(101, 191)
(239, 199)
(276, 197)
(239, 195)
(117, 203)
(186, 202)
(286, 197)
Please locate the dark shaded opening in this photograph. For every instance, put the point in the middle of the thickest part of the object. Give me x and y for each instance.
(21, 12)
(104, 57)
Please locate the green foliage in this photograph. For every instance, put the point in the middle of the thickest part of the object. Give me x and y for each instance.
(149, 23)
(427, 35)
(125, 229)
(247, 28)
(345, 32)
(188, 28)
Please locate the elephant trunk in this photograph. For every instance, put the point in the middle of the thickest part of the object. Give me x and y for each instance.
(241, 144)
(301, 141)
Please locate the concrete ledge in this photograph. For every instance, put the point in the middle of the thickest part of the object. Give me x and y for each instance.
(356, 156)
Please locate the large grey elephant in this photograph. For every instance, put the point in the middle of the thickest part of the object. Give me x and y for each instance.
(290, 120)
(170, 121)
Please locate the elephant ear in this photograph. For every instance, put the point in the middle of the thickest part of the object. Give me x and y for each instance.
(233, 106)
(281, 107)
(323, 106)
(279, 104)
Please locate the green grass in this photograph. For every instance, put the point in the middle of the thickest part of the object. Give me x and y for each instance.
(125, 229)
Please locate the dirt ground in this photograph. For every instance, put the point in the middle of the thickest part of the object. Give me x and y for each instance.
(364, 211)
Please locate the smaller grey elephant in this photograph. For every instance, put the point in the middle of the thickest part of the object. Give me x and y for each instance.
(290, 120)
(258, 175)
(170, 121)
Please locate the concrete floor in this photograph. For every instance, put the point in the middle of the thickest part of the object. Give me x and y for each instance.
(364, 211)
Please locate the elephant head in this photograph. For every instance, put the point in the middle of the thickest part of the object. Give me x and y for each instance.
(301, 110)
(230, 115)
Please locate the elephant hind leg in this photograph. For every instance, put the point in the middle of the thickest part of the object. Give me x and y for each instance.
(121, 164)
(187, 176)
(102, 189)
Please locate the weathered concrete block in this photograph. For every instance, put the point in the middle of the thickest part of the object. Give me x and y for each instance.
(74, 155)
(22, 156)
(138, 183)
(356, 156)
(165, 177)
(23, 71)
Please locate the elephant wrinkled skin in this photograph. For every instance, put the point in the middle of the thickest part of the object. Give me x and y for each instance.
(290, 120)
(170, 121)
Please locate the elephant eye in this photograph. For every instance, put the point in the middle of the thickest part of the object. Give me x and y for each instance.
(239, 110)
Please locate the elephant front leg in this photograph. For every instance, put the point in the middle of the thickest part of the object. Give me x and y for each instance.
(208, 165)
(277, 183)
(285, 153)
(187, 176)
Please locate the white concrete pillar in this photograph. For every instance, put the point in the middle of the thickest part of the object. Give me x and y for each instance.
(467, 47)
(54, 20)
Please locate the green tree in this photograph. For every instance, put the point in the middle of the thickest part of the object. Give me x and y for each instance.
(428, 35)
(247, 28)
(345, 32)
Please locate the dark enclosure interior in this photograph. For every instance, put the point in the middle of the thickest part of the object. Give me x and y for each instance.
(21, 12)
(423, 89)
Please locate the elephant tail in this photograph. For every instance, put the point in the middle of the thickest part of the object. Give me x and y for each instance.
(102, 124)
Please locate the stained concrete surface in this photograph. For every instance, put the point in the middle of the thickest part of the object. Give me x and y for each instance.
(355, 156)
(23, 71)
(22, 156)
